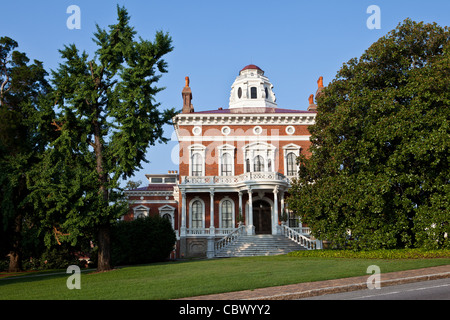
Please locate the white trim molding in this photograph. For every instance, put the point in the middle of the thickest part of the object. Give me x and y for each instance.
(170, 211)
(200, 150)
(141, 210)
(226, 149)
(262, 149)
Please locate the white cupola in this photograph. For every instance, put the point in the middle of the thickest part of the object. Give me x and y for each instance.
(252, 89)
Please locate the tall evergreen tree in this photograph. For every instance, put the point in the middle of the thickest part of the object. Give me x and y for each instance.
(379, 171)
(108, 118)
(23, 88)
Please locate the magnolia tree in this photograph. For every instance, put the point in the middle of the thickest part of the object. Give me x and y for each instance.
(379, 172)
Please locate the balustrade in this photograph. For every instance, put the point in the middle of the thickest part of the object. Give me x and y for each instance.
(300, 238)
(248, 176)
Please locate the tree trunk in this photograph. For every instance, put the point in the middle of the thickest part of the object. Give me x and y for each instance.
(15, 262)
(104, 248)
(15, 257)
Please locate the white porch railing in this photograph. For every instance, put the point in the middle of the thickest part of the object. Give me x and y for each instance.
(229, 238)
(207, 231)
(248, 176)
(300, 238)
(302, 230)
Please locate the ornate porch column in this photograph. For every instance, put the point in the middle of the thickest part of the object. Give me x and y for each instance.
(240, 204)
(275, 211)
(183, 213)
(211, 211)
(250, 227)
(210, 252)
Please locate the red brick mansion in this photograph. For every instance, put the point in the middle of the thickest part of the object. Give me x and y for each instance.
(235, 168)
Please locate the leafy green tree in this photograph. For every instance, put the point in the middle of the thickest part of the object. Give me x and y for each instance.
(23, 89)
(379, 172)
(108, 118)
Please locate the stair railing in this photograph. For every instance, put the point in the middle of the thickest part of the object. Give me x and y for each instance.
(229, 238)
(300, 239)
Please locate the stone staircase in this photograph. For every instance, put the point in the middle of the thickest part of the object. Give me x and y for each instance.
(258, 245)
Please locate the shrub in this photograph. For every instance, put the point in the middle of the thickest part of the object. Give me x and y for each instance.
(142, 240)
(373, 254)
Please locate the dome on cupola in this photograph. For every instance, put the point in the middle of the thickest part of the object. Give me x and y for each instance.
(252, 90)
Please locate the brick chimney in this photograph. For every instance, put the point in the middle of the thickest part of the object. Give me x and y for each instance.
(312, 106)
(187, 98)
(319, 87)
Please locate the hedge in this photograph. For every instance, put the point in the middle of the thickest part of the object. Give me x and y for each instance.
(143, 240)
(373, 254)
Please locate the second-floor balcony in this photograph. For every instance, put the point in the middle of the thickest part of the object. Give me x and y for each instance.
(242, 179)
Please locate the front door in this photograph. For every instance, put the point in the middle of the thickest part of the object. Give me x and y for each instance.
(262, 217)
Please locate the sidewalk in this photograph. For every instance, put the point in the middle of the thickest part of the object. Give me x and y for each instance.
(310, 289)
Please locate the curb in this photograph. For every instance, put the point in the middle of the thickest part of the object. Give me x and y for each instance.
(350, 287)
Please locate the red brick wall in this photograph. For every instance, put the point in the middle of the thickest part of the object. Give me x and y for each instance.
(269, 135)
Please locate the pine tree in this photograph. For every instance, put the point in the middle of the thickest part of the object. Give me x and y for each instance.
(23, 89)
(108, 118)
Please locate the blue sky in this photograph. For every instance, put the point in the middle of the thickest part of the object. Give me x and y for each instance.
(294, 42)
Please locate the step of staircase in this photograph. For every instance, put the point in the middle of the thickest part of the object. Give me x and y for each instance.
(259, 245)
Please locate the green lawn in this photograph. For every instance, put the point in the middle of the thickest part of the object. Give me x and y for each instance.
(189, 278)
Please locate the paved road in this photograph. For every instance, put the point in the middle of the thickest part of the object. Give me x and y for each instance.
(424, 290)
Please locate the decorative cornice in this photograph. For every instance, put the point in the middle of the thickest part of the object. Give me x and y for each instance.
(153, 193)
(306, 118)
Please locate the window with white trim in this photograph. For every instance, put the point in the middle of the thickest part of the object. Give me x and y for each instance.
(197, 165)
(259, 157)
(141, 211)
(168, 212)
(226, 160)
(226, 165)
(197, 160)
(253, 93)
(291, 164)
(258, 164)
(227, 214)
(197, 214)
(291, 153)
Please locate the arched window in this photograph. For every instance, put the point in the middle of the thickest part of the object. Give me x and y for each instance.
(227, 214)
(291, 164)
(253, 93)
(197, 214)
(168, 216)
(140, 213)
(226, 164)
(258, 164)
(197, 164)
